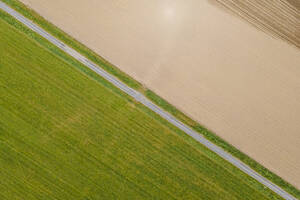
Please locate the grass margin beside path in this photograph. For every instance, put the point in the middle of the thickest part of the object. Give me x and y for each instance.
(52, 29)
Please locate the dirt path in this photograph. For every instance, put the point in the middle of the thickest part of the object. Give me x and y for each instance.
(236, 80)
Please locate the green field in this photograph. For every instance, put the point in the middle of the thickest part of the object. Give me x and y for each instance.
(65, 133)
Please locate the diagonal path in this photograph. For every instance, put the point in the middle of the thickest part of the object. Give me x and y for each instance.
(142, 99)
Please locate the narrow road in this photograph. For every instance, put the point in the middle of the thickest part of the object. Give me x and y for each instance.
(141, 98)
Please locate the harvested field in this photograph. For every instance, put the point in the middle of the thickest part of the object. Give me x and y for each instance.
(281, 18)
(235, 79)
(65, 133)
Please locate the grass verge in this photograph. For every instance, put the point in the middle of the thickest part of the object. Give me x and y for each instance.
(156, 99)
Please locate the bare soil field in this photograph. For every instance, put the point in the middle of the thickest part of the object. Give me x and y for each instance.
(236, 80)
(281, 18)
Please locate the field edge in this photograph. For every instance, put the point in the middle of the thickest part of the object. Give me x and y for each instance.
(52, 29)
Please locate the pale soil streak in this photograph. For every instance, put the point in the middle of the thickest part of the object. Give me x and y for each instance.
(229, 76)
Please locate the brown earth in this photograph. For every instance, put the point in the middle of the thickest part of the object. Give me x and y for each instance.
(295, 3)
(236, 80)
(281, 18)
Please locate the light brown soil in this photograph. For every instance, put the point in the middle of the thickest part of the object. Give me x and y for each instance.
(238, 81)
(281, 18)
